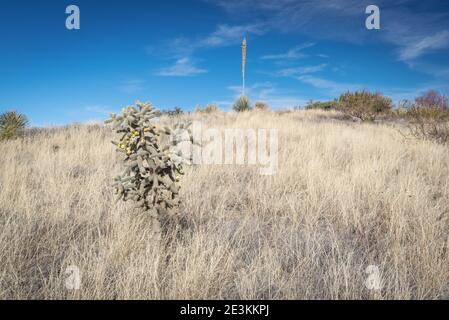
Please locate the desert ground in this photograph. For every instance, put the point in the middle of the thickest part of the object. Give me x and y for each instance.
(347, 196)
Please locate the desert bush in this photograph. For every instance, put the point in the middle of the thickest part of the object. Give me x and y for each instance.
(364, 105)
(210, 108)
(401, 109)
(153, 162)
(177, 111)
(433, 99)
(429, 117)
(242, 104)
(326, 105)
(12, 125)
(261, 106)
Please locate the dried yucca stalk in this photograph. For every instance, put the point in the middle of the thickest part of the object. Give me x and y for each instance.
(243, 65)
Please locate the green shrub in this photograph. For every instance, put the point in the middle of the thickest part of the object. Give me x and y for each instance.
(153, 162)
(317, 105)
(364, 105)
(242, 104)
(12, 125)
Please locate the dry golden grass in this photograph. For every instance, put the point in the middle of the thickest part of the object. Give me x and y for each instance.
(346, 196)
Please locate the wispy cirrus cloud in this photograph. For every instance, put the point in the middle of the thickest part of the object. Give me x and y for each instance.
(414, 31)
(183, 67)
(331, 88)
(182, 49)
(298, 71)
(417, 48)
(291, 54)
(318, 18)
(224, 35)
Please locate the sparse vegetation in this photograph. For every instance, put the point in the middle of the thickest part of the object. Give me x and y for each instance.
(433, 99)
(345, 197)
(12, 125)
(364, 105)
(242, 104)
(177, 111)
(400, 110)
(210, 108)
(429, 117)
(317, 105)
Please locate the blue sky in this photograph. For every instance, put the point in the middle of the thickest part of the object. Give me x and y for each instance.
(185, 53)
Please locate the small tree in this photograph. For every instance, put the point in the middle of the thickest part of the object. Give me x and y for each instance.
(364, 105)
(12, 125)
(434, 99)
(429, 117)
(242, 104)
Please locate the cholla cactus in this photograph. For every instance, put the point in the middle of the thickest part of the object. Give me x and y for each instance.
(153, 161)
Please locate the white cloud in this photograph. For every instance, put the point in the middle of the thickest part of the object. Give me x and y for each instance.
(319, 18)
(420, 47)
(227, 35)
(182, 68)
(332, 88)
(413, 32)
(183, 48)
(294, 72)
(224, 35)
(294, 53)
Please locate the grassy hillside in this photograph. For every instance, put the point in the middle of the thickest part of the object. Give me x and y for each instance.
(347, 195)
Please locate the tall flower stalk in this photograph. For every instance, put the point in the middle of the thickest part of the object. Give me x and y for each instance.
(243, 65)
